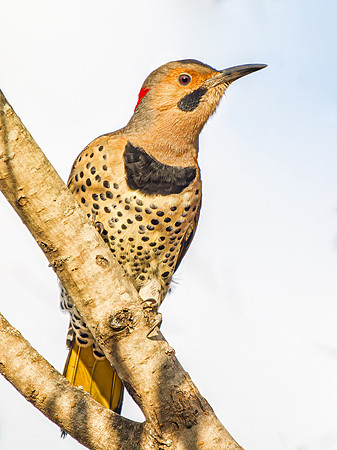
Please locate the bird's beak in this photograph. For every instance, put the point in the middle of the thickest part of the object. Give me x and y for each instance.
(231, 74)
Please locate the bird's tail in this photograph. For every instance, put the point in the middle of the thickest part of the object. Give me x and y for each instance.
(96, 377)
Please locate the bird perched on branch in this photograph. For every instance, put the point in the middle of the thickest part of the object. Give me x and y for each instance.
(141, 187)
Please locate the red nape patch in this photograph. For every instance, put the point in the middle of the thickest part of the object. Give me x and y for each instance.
(141, 95)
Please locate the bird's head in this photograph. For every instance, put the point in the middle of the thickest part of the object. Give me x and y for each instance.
(177, 99)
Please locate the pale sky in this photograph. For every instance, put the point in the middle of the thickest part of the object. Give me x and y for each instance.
(253, 317)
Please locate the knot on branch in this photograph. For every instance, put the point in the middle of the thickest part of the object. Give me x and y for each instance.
(58, 264)
(101, 261)
(187, 409)
(122, 320)
(22, 201)
(46, 248)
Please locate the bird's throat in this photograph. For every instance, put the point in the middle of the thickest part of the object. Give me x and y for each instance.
(169, 148)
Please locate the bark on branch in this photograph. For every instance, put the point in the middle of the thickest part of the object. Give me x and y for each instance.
(176, 414)
(72, 409)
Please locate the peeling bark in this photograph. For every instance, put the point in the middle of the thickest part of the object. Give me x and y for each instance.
(176, 414)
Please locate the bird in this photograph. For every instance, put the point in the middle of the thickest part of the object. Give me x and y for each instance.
(141, 188)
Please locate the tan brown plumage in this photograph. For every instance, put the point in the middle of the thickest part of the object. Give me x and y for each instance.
(141, 188)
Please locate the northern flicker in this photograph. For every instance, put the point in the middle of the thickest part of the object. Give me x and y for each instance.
(141, 188)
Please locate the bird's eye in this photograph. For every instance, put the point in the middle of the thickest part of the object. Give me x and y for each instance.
(184, 79)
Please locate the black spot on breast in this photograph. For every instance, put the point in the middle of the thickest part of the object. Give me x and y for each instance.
(149, 176)
(191, 101)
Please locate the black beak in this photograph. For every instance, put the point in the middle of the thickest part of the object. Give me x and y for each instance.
(231, 74)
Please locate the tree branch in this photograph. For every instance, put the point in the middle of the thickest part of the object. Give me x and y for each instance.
(177, 416)
(59, 400)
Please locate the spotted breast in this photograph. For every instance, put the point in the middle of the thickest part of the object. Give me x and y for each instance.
(146, 211)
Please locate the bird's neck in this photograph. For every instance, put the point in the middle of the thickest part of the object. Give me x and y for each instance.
(167, 141)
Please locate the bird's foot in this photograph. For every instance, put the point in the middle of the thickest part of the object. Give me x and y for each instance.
(151, 314)
(99, 227)
(157, 323)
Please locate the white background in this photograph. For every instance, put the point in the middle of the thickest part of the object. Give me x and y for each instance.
(253, 318)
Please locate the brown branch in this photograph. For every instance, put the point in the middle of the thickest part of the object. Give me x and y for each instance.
(177, 416)
(71, 408)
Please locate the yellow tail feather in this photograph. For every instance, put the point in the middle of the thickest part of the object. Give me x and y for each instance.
(96, 377)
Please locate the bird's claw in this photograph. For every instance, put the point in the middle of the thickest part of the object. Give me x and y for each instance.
(157, 323)
(99, 227)
(150, 303)
(152, 306)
